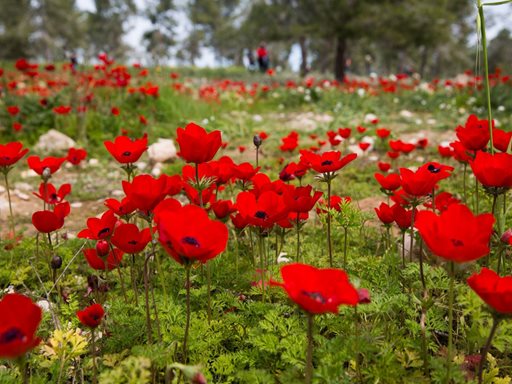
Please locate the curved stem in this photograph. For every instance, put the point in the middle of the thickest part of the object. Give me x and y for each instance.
(309, 353)
(485, 350)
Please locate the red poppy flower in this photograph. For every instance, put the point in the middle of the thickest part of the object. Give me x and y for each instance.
(475, 134)
(456, 235)
(385, 213)
(442, 201)
(145, 192)
(62, 109)
(173, 184)
(223, 208)
(392, 154)
(188, 235)
(49, 194)
(165, 205)
(196, 145)
(423, 181)
(99, 228)
(120, 208)
(126, 150)
(262, 211)
(18, 325)
(207, 195)
(299, 199)
(290, 142)
(328, 161)
(361, 129)
(402, 216)
(422, 143)
(17, 126)
(38, 165)
(115, 111)
(129, 239)
(49, 221)
(445, 151)
(389, 182)
(13, 110)
(245, 171)
(383, 167)
(143, 120)
(501, 139)
(100, 263)
(241, 148)
(344, 132)
(496, 291)
(11, 153)
(222, 169)
(493, 170)
(334, 139)
(382, 132)
(317, 290)
(91, 316)
(461, 153)
(76, 156)
(335, 203)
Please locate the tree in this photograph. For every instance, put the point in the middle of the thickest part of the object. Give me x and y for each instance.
(159, 39)
(15, 29)
(106, 26)
(500, 50)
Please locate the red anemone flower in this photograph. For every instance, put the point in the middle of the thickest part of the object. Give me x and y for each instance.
(13, 110)
(49, 221)
(100, 263)
(120, 208)
(475, 134)
(317, 290)
(494, 290)
(382, 132)
(328, 161)
(196, 145)
(223, 208)
(456, 235)
(262, 211)
(91, 316)
(49, 194)
(126, 150)
(76, 156)
(385, 213)
(299, 199)
(423, 181)
(18, 325)
(99, 228)
(389, 182)
(129, 239)
(493, 170)
(189, 235)
(62, 109)
(11, 153)
(52, 163)
(145, 192)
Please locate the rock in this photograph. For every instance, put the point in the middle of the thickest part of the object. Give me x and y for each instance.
(4, 204)
(76, 204)
(407, 114)
(54, 141)
(2, 189)
(21, 195)
(44, 305)
(93, 162)
(117, 193)
(25, 187)
(28, 173)
(161, 151)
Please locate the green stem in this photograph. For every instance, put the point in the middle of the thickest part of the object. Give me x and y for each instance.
(22, 365)
(464, 182)
(485, 350)
(486, 69)
(261, 250)
(329, 243)
(11, 216)
(209, 289)
(298, 238)
(93, 353)
(494, 199)
(146, 298)
(477, 208)
(345, 247)
(199, 190)
(187, 324)
(309, 353)
(449, 356)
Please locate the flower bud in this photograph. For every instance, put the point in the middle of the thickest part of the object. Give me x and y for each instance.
(56, 262)
(47, 174)
(102, 248)
(507, 236)
(257, 140)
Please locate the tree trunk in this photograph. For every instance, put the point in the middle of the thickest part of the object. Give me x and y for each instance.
(424, 60)
(304, 55)
(339, 61)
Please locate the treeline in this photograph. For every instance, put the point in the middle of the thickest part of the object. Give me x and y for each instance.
(361, 36)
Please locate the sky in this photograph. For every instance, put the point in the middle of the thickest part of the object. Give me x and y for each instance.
(498, 16)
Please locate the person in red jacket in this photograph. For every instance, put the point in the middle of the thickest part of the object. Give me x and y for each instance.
(262, 54)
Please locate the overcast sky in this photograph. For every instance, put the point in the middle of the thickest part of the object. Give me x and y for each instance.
(500, 16)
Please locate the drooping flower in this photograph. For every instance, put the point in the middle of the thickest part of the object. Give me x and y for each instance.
(18, 325)
(48, 221)
(317, 290)
(456, 234)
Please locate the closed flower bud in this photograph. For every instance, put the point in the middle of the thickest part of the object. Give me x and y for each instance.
(56, 262)
(102, 248)
(47, 173)
(257, 140)
(507, 236)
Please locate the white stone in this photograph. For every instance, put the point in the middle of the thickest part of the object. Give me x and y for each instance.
(44, 305)
(117, 192)
(406, 114)
(76, 204)
(26, 187)
(161, 151)
(21, 195)
(93, 162)
(28, 173)
(54, 141)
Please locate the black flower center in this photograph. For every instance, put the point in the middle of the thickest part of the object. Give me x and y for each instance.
(433, 169)
(457, 243)
(126, 153)
(132, 242)
(316, 296)
(261, 215)
(11, 335)
(104, 231)
(191, 241)
(326, 162)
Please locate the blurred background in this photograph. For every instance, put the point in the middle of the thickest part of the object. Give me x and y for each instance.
(333, 37)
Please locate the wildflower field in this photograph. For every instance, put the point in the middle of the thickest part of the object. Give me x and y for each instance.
(166, 226)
